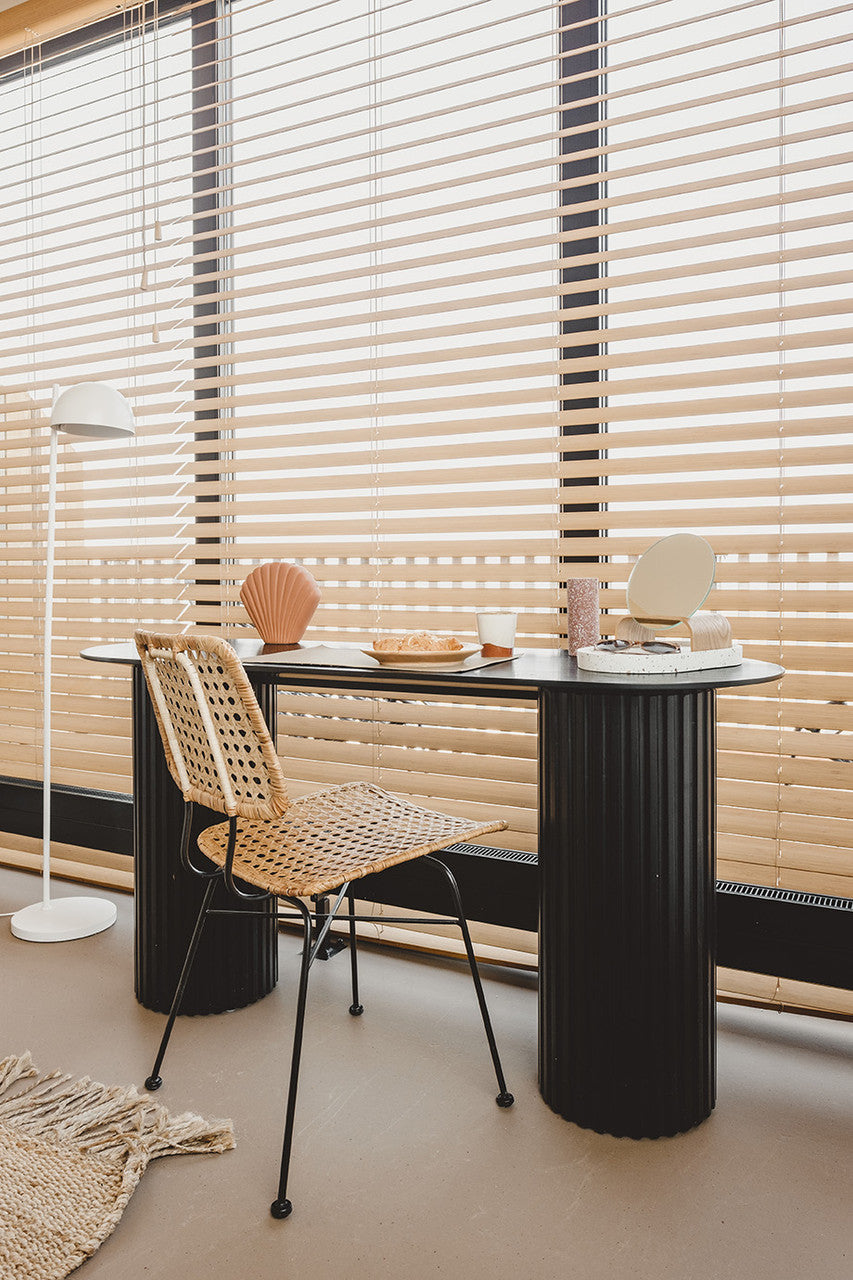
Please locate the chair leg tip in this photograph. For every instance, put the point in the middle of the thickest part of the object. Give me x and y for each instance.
(152, 1084)
(281, 1208)
(356, 1010)
(504, 1099)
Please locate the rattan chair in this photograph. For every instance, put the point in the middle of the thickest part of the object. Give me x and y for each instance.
(220, 753)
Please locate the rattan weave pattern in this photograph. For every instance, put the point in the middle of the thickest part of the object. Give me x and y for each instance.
(338, 834)
(220, 753)
(206, 707)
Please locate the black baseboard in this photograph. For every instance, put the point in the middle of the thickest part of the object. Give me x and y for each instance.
(805, 937)
(498, 886)
(79, 815)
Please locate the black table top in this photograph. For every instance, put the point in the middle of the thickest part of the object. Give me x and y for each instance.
(530, 670)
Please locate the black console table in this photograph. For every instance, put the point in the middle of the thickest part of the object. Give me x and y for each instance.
(626, 856)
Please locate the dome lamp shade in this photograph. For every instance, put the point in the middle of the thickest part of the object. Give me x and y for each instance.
(94, 410)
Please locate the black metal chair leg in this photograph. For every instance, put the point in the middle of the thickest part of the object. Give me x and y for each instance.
(355, 1008)
(281, 1206)
(153, 1082)
(504, 1098)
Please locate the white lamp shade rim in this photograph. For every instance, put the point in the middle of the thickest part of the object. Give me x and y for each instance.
(92, 409)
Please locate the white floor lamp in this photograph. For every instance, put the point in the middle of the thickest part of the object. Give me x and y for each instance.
(96, 411)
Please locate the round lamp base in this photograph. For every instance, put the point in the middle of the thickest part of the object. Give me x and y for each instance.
(63, 919)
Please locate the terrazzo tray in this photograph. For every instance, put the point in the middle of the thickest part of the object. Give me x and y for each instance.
(638, 663)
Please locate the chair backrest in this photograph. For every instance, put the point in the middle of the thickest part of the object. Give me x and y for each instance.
(218, 747)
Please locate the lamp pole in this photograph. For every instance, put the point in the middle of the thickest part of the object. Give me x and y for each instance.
(47, 659)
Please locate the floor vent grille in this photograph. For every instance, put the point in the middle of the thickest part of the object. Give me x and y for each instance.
(795, 896)
(502, 855)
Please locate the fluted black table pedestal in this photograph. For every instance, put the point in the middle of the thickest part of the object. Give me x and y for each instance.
(237, 960)
(626, 859)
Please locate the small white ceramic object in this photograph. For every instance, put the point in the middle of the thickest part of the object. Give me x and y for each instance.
(496, 632)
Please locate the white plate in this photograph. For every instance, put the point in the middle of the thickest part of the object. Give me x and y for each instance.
(421, 657)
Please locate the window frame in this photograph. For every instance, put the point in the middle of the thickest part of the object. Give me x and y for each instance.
(752, 943)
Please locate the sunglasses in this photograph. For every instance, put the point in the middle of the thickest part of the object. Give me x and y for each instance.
(638, 646)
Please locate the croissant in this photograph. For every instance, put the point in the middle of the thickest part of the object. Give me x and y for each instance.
(418, 642)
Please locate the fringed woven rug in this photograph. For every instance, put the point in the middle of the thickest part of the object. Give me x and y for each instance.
(71, 1154)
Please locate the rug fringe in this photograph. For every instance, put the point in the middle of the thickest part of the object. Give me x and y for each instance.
(110, 1121)
(13, 1069)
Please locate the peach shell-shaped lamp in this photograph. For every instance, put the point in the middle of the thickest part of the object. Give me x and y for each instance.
(281, 600)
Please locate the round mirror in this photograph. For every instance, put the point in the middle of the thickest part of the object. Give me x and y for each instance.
(671, 580)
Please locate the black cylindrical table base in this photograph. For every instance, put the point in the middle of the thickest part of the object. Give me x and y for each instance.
(627, 909)
(237, 960)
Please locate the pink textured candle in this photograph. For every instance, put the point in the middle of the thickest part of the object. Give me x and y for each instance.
(583, 614)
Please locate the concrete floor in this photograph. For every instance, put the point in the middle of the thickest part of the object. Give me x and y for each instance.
(404, 1166)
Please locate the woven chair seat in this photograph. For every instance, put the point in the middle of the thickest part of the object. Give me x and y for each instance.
(338, 834)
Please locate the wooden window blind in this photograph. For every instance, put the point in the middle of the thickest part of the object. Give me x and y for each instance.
(724, 375)
(285, 235)
(84, 134)
(391, 366)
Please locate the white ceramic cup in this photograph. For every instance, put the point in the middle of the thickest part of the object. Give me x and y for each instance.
(496, 632)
